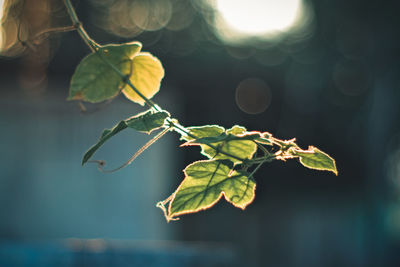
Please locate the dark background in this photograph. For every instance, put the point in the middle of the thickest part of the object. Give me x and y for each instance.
(337, 88)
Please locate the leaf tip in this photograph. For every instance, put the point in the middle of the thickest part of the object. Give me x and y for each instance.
(76, 96)
(334, 170)
(167, 214)
(314, 158)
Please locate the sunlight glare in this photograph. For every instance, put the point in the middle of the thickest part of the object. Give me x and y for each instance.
(1, 21)
(256, 18)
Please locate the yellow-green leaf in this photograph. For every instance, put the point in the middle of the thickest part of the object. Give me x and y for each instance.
(314, 158)
(232, 144)
(203, 131)
(147, 73)
(206, 182)
(236, 130)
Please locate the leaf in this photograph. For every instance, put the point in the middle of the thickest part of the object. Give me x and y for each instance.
(236, 130)
(107, 134)
(144, 122)
(203, 131)
(94, 80)
(314, 158)
(146, 77)
(147, 121)
(224, 137)
(206, 182)
(232, 144)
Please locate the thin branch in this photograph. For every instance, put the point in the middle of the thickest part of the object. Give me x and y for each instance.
(45, 34)
(89, 41)
(256, 169)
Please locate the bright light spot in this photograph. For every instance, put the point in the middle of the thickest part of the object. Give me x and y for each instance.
(1, 19)
(259, 17)
(1, 9)
(265, 19)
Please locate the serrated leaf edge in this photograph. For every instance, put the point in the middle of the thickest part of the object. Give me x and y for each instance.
(311, 150)
(174, 216)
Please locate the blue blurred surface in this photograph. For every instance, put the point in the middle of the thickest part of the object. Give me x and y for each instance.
(46, 193)
(79, 252)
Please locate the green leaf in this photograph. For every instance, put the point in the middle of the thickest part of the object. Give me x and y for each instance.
(236, 130)
(94, 80)
(107, 134)
(314, 158)
(147, 121)
(225, 137)
(232, 144)
(144, 122)
(203, 131)
(206, 182)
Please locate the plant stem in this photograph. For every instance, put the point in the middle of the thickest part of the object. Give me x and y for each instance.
(256, 169)
(38, 38)
(266, 152)
(268, 158)
(89, 41)
(96, 48)
(140, 151)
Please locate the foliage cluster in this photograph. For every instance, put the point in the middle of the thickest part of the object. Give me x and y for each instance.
(232, 156)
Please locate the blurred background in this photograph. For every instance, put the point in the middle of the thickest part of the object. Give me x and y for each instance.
(325, 72)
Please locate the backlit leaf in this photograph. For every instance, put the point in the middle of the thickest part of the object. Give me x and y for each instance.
(94, 80)
(203, 131)
(147, 121)
(206, 182)
(225, 137)
(314, 158)
(147, 73)
(232, 144)
(236, 130)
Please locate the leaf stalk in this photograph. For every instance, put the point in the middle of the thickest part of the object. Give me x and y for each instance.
(77, 23)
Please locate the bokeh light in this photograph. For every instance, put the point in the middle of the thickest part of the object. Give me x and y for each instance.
(182, 15)
(253, 96)
(392, 167)
(151, 15)
(119, 20)
(351, 78)
(9, 45)
(129, 19)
